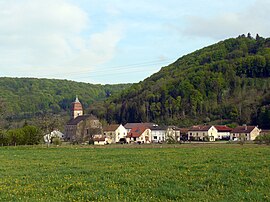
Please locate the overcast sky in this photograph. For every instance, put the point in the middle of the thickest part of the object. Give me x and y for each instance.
(116, 41)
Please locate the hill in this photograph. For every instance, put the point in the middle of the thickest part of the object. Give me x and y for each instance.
(30, 97)
(228, 82)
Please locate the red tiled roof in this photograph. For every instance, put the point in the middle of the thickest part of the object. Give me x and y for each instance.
(223, 128)
(200, 128)
(137, 131)
(243, 129)
(111, 127)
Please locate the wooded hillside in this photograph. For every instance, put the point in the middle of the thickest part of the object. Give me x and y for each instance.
(227, 82)
(27, 97)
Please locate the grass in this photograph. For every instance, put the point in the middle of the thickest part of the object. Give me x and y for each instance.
(203, 172)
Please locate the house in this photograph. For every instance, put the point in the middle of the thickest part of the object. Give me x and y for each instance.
(158, 134)
(246, 132)
(48, 138)
(139, 134)
(115, 133)
(100, 140)
(203, 133)
(81, 128)
(223, 132)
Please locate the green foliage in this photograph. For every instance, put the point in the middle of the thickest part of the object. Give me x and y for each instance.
(29, 97)
(56, 141)
(28, 135)
(155, 173)
(263, 139)
(226, 81)
(171, 140)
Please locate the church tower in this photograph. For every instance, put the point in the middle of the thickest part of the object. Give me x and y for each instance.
(76, 108)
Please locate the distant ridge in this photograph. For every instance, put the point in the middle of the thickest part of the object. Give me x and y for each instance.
(28, 97)
(225, 83)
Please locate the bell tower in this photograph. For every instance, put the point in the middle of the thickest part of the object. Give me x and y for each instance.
(76, 108)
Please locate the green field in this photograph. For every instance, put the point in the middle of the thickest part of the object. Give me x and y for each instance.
(203, 172)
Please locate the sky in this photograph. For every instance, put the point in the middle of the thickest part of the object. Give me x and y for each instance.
(116, 41)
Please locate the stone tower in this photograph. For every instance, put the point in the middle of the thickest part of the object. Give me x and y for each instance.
(76, 108)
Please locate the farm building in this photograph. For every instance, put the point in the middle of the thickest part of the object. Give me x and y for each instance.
(245, 132)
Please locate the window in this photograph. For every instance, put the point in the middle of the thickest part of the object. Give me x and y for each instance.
(155, 137)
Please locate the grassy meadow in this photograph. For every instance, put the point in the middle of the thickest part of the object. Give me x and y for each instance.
(191, 172)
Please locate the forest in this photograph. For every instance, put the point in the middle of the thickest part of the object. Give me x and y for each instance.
(225, 83)
(31, 98)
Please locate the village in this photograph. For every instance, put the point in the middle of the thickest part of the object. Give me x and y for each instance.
(87, 129)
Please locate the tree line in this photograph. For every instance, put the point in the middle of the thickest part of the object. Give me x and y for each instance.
(27, 135)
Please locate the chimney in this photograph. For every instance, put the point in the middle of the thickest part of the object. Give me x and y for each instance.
(245, 126)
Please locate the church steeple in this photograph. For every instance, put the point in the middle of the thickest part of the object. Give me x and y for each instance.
(76, 108)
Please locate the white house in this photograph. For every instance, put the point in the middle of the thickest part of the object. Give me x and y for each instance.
(203, 133)
(158, 134)
(140, 134)
(246, 132)
(223, 132)
(54, 134)
(115, 132)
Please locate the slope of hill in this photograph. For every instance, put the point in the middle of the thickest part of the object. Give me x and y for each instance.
(27, 97)
(227, 82)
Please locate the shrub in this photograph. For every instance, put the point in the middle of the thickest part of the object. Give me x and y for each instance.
(263, 139)
(56, 141)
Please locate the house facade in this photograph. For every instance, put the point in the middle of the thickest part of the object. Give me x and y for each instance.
(223, 132)
(115, 133)
(202, 133)
(140, 134)
(245, 132)
(158, 134)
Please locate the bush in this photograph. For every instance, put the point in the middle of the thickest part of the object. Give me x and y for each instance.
(263, 139)
(171, 140)
(56, 141)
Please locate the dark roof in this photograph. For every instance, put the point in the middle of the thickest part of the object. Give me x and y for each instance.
(200, 128)
(243, 129)
(111, 127)
(132, 125)
(264, 132)
(137, 131)
(156, 127)
(223, 128)
(78, 119)
(99, 139)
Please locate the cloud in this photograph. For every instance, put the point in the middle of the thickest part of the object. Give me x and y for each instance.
(253, 19)
(39, 35)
